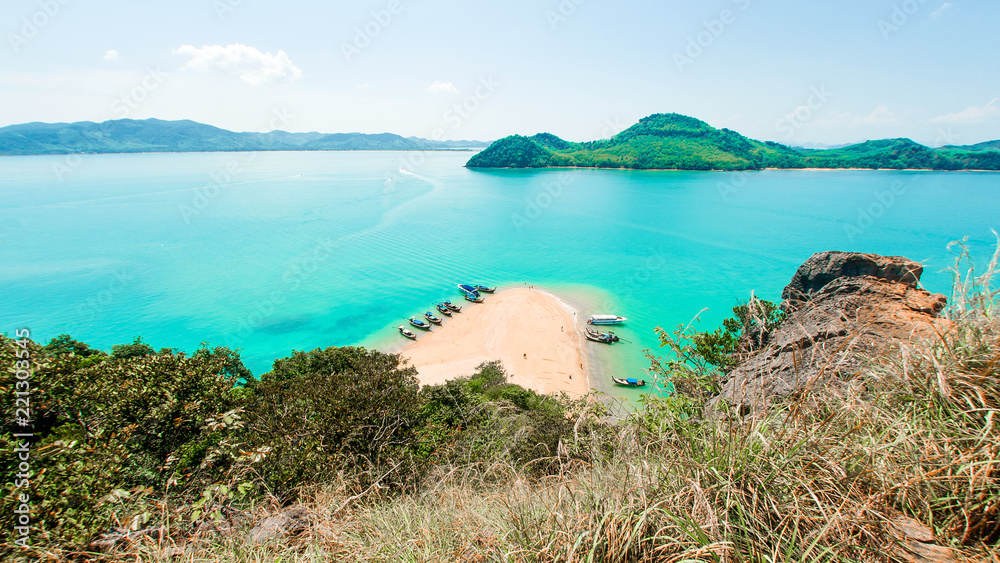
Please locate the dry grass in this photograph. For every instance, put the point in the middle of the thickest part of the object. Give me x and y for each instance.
(817, 479)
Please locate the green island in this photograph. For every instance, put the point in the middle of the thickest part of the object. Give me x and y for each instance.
(678, 142)
(890, 449)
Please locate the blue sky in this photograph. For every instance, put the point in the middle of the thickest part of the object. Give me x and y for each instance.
(819, 71)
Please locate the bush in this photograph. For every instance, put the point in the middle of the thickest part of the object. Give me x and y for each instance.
(332, 411)
(742, 335)
(110, 434)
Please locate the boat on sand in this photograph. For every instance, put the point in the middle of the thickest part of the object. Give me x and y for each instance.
(468, 290)
(605, 337)
(420, 324)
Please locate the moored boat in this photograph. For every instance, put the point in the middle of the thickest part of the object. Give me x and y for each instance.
(485, 289)
(475, 299)
(444, 309)
(452, 306)
(468, 290)
(605, 320)
(432, 318)
(629, 381)
(403, 330)
(420, 324)
(605, 337)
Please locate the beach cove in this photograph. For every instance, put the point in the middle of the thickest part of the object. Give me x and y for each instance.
(533, 333)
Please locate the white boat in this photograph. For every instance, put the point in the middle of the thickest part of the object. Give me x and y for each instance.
(605, 320)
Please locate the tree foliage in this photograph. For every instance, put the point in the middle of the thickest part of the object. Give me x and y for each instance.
(144, 438)
(678, 142)
(741, 335)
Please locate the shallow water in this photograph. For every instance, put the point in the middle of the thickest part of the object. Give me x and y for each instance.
(272, 252)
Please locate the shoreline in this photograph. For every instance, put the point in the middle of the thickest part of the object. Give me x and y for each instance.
(767, 169)
(533, 333)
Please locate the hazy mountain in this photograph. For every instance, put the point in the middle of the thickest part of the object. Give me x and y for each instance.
(155, 135)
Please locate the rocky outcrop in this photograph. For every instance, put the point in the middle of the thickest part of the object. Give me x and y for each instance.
(842, 308)
(289, 522)
(823, 268)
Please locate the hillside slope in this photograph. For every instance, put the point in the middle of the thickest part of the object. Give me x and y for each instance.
(155, 135)
(678, 142)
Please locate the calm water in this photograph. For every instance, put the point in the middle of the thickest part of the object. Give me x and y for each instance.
(279, 251)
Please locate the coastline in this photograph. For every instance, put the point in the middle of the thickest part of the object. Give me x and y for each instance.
(533, 333)
(621, 168)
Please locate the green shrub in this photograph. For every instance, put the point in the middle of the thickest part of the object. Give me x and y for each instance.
(332, 411)
(110, 434)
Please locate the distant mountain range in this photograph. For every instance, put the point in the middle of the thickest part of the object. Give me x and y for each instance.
(155, 135)
(678, 142)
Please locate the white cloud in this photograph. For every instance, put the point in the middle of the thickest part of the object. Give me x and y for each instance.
(974, 114)
(944, 7)
(881, 115)
(111, 55)
(446, 87)
(242, 60)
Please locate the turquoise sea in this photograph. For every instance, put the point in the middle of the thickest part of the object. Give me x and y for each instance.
(272, 252)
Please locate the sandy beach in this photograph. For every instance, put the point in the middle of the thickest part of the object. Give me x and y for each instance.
(530, 331)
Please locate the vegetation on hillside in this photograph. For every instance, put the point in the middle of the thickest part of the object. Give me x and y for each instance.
(156, 135)
(678, 142)
(139, 439)
(477, 469)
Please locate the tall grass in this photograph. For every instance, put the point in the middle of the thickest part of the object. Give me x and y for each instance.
(817, 478)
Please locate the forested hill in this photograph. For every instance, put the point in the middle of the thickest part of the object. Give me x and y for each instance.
(155, 135)
(678, 142)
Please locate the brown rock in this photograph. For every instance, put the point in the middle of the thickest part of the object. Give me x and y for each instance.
(906, 527)
(824, 267)
(918, 552)
(842, 308)
(291, 521)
